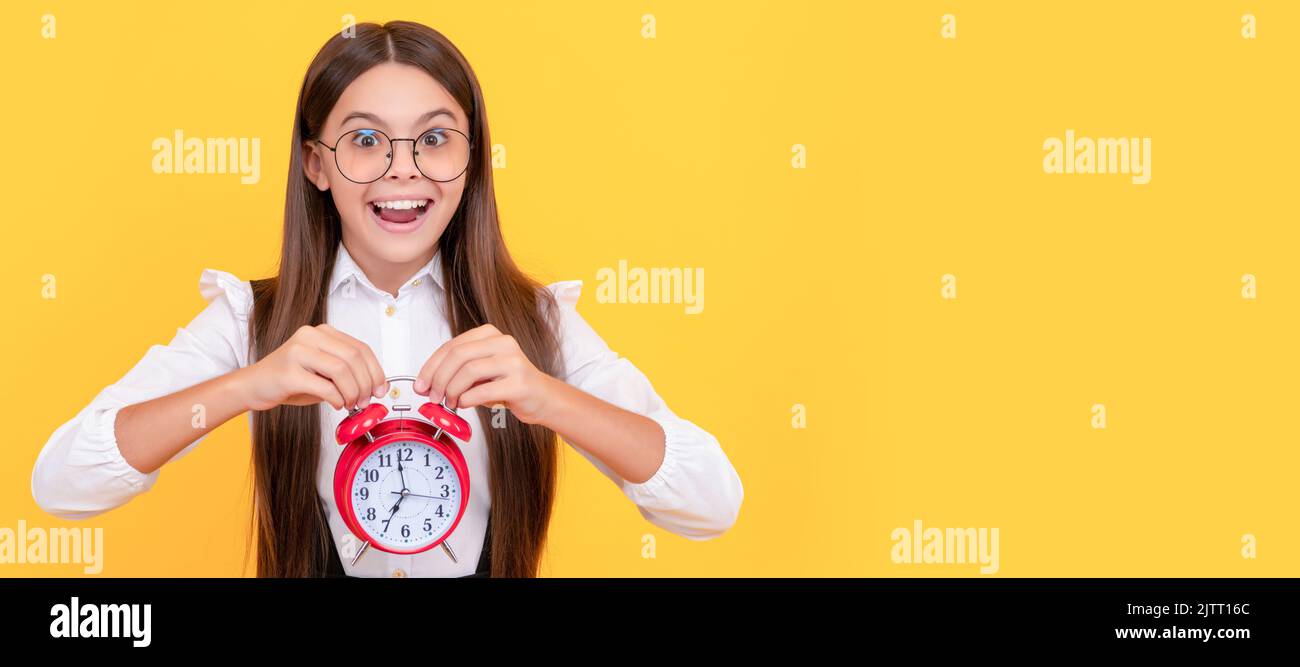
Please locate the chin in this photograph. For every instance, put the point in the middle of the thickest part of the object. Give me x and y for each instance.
(401, 251)
(400, 247)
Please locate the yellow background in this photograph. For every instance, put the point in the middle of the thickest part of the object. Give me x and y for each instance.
(924, 157)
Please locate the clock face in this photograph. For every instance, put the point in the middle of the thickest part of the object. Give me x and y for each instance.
(406, 494)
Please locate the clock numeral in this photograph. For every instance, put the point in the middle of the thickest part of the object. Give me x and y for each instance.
(446, 491)
(406, 454)
(439, 475)
(385, 461)
(371, 475)
(365, 493)
(370, 514)
(406, 530)
(428, 524)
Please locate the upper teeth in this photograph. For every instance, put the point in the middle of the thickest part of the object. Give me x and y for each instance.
(402, 203)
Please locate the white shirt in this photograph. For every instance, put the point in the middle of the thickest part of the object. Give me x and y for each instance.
(80, 472)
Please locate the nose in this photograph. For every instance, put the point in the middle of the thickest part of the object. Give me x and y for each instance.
(403, 167)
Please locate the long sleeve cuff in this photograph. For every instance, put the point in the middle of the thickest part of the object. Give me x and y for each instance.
(687, 494)
(658, 492)
(102, 450)
(81, 472)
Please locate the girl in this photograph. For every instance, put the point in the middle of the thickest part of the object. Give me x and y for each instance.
(392, 264)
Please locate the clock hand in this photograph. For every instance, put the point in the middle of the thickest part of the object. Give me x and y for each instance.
(408, 493)
(390, 516)
(400, 473)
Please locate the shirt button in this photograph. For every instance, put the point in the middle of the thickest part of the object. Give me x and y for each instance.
(399, 573)
(416, 283)
(390, 310)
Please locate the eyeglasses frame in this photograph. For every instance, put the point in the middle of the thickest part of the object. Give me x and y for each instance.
(391, 142)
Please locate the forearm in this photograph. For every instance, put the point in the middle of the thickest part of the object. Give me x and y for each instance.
(630, 444)
(150, 433)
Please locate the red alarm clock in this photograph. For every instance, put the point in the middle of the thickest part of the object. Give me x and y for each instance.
(401, 485)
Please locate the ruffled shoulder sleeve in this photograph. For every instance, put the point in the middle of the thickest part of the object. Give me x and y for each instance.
(214, 283)
(566, 293)
(580, 345)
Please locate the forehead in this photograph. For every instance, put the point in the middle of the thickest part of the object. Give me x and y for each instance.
(399, 95)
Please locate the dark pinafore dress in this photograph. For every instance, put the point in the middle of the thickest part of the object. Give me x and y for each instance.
(335, 566)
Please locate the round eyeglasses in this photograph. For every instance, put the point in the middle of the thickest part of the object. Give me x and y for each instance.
(364, 156)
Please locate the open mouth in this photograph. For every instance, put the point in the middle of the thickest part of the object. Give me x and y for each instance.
(400, 214)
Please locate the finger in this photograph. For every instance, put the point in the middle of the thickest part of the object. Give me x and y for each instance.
(425, 376)
(493, 392)
(351, 357)
(378, 381)
(474, 372)
(351, 353)
(336, 370)
(322, 389)
(461, 355)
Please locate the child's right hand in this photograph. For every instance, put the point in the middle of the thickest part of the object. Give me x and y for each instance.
(318, 363)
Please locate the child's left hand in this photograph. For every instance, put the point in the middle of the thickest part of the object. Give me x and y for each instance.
(485, 367)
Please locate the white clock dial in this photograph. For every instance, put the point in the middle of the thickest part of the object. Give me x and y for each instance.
(406, 495)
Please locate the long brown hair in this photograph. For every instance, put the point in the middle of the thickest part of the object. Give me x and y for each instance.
(483, 285)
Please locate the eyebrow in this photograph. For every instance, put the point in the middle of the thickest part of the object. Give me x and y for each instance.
(377, 120)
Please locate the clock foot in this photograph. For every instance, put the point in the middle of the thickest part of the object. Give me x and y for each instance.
(447, 547)
(360, 551)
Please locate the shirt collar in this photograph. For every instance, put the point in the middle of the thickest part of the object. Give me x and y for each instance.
(345, 267)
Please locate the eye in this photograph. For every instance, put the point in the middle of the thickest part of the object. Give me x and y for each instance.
(435, 138)
(365, 139)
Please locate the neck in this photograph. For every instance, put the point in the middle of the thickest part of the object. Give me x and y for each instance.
(388, 275)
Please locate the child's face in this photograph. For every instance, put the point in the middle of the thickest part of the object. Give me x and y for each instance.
(397, 99)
